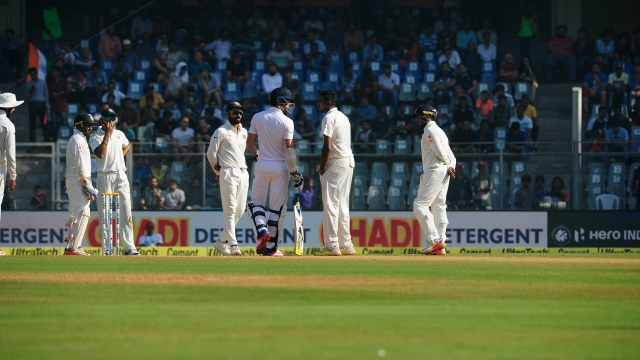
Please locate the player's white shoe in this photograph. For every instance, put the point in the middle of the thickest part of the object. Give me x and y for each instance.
(235, 250)
(222, 247)
(327, 252)
(270, 252)
(437, 246)
(79, 251)
(347, 250)
(132, 252)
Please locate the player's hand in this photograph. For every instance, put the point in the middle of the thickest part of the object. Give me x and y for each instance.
(12, 185)
(90, 192)
(298, 181)
(109, 126)
(216, 167)
(452, 172)
(322, 171)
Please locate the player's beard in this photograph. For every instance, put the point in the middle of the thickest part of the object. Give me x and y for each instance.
(234, 121)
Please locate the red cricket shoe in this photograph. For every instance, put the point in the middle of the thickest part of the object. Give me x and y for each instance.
(262, 244)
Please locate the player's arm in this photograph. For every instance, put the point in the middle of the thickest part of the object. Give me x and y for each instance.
(212, 151)
(324, 155)
(292, 158)
(78, 151)
(251, 144)
(101, 149)
(10, 150)
(442, 151)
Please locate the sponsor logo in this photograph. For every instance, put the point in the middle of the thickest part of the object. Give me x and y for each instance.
(561, 236)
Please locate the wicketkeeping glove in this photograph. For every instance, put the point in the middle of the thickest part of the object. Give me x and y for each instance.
(298, 181)
(90, 192)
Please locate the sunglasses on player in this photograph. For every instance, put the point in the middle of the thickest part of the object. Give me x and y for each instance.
(237, 112)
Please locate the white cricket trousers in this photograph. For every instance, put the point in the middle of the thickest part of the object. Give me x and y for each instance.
(234, 186)
(271, 178)
(118, 182)
(77, 203)
(336, 186)
(3, 175)
(432, 193)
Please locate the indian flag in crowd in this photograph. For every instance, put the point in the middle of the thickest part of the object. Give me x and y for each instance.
(38, 61)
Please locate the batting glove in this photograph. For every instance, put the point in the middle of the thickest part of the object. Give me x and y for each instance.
(89, 191)
(298, 181)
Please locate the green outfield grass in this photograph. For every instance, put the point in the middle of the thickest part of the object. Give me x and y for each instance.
(457, 307)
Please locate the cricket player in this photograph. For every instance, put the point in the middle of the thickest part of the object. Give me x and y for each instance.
(79, 185)
(226, 157)
(439, 165)
(110, 146)
(276, 161)
(336, 171)
(8, 103)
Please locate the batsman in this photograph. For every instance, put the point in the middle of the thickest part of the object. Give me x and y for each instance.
(110, 146)
(79, 186)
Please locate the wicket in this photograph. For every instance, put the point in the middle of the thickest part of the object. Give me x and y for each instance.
(108, 236)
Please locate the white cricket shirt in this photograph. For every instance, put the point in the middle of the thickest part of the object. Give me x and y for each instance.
(78, 156)
(8, 144)
(435, 148)
(227, 147)
(337, 126)
(113, 160)
(272, 127)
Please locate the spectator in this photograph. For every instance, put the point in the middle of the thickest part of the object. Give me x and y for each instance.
(109, 45)
(85, 62)
(459, 195)
(462, 112)
(594, 87)
(209, 86)
(583, 49)
(406, 51)
(163, 128)
(151, 198)
(526, 32)
(117, 94)
(271, 80)
(110, 104)
(618, 86)
(180, 38)
(457, 94)
(348, 83)
(634, 186)
(172, 198)
(96, 84)
(468, 83)
(130, 56)
(383, 126)
(334, 35)
(402, 125)
(508, 71)
(486, 28)
(194, 194)
(307, 195)
(220, 20)
(449, 55)
(141, 25)
(465, 36)
(203, 132)
(38, 94)
(463, 139)
(237, 70)
(634, 117)
(69, 58)
(388, 85)
(501, 113)
(596, 129)
(39, 199)
(500, 91)
(530, 112)
(389, 36)
(312, 39)
(129, 114)
(635, 81)
(178, 82)
(472, 60)
(539, 189)
(314, 23)
(127, 131)
(8, 201)
(250, 109)
(160, 72)
(525, 199)
(221, 47)
(293, 85)
(372, 51)
(280, 57)
(560, 54)
(150, 238)
(447, 35)
(191, 105)
(316, 60)
(484, 135)
(156, 100)
(606, 46)
(13, 51)
(487, 50)
(526, 124)
(617, 115)
(616, 138)
(145, 48)
(122, 71)
(365, 110)
(276, 27)
(174, 54)
(77, 84)
(183, 137)
(604, 67)
(516, 140)
(367, 85)
(484, 106)
(353, 38)
(427, 40)
(159, 172)
(303, 126)
(295, 25)
(527, 73)
(197, 64)
(141, 171)
(444, 82)
(482, 188)
(365, 139)
(58, 92)
(558, 191)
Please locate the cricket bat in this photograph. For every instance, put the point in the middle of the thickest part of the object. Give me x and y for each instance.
(299, 230)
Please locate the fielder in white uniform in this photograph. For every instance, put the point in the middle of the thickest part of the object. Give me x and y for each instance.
(277, 161)
(8, 103)
(110, 146)
(226, 157)
(79, 186)
(336, 171)
(439, 165)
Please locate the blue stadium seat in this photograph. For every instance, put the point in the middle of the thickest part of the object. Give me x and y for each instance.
(396, 68)
(357, 69)
(256, 78)
(141, 77)
(258, 45)
(259, 65)
(260, 55)
(335, 56)
(333, 77)
(337, 67)
(232, 91)
(414, 67)
(376, 68)
(353, 57)
(250, 91)
(390, 56)
(93, 108)
(410, 79)
(145, 65)
(297, 75)
(298, 66)
(107, 66)
(310, 91)
(135, 90)
(312, 112)
(431, 67)
(314, 76)
(328, 85)
(221, 66)
(429, 78)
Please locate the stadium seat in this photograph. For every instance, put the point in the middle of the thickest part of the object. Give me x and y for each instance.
(407, 92)
(221, 66)
(259, 55)
(357, 69)
(396, 68)
(361, 169)
(298, 66)
(482, 87)
(413, 67)
(107, 66)
(395, 199)
(250, 91)
(400, 183)
(400, 169)
(232, 91)
(328, 85)
(635, 139)
(312, 114)
(429, 78)
(401, 148)
(382, 147)
(353, 57)
(376, 68)
(607, 202)
(135, 90)
(431, 67)
(310, 92)
(380, 170)
(337, 67)
(359, 180)
(303, 146)
(303, 168)
(347, 109)
(256, 78)
(259, 65)
(375, 198)
(314, 76)
(178, 169)
(410, 78)
(522, 88)
(413, 193)
(424, 91)
(333, 77)
(335, 56)
(357, 200)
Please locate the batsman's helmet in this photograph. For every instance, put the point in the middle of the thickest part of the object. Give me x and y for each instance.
(280, 96)
(84, 123)
(423, 114)
(109, 115)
